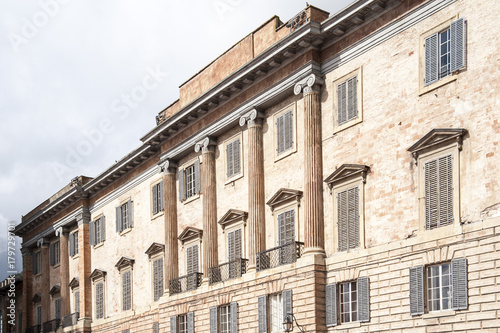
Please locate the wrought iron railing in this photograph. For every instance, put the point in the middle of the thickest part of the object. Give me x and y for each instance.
(71, 319)
(51, 325)
(34, 329)
(279, 255)
(228, 270)
(185, 283)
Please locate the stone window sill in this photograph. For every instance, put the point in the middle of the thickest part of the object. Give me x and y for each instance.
(437, 314)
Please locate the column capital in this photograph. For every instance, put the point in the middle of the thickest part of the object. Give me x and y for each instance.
(308, 84)
(42, 242)
(252, 118)
(167, 166)
(26, 251)
(83, 217)
(62, 231)
(206, 145)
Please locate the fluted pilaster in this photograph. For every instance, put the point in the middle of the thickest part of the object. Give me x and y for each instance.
(27, 287)
(85, 285)
(64, 270)
(45, 287)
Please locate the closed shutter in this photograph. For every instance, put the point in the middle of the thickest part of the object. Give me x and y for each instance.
(213, 320)
(363, 299)
(118, 219)
(92, 233)
(417, 290)
(280, 134)
(77, 301)
(341, 103)
(431, 46)
(234, 245)
(158, 278)
(173, 324)
(162, 195)
(352, 93)
(286, 227)
(130, 216)
(438, 191)
(39, 315)
(353, 218)
(234, 317)
(190, 322)
(331, 304)
(58, 308)
(262, 305)
(102, 223)
(192, 259)
(99, 291)
(156, 327)
(236, 157)
(52, 254)
(457, 45)
(459, 284)
(288, 130)
(72, 245)
(155, 199)
(197, 177)
(342, 219)
(182, 195)
(33, 259)
(229, 160)
(126, 291)
(287, 303)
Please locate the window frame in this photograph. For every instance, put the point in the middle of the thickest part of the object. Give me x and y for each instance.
(156, 186)
(293, 149)
(74, 303)
(240, 174)
(37, 264)
(75, 249)
(349, 303)
(94, 291)
(154, 259)
(55, 257)
(227, 316)
(428, 277)
(182, 318)
(188, 245)
(271, 313)
(131, 289)
(281, 210)
(130, 225)
(358, 72)
(182, 168)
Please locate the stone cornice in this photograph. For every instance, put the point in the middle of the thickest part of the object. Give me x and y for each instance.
(74, 283)
(97, 273)
(124, 262)
(55, 290)
(231, 216)
(190, 233)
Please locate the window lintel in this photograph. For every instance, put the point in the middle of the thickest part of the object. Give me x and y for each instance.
(346, 171)
(231, 216)
(97, 273)
(284, 195)
(124, 262)
(436, 137)
(190, 233)
(155, 248)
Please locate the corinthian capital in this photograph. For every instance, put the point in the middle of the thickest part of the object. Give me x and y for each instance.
(308, 84)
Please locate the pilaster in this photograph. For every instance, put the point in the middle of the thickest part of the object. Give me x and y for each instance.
(27, 254)
(45, 287)
(85, 286)
(63, 234)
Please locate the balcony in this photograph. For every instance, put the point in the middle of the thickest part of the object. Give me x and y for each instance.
(51, 326)
(70, 319)
(185, 283)
(279, 255)
(228, 270)
(34, 329)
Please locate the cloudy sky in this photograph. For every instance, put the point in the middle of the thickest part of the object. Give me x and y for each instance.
(69, 67)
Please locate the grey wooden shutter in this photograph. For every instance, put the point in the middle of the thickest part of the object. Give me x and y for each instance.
(103, 228)
(156, 327)
(190, 322)
(155, 199)
(288, 130)
(33, 259)
(52, 255)
(431, 46)
(173, 324)
(341, 103)
(77, 301)
(438, 191)
(236, 157)
(57, 305)
(353, 218)
(262, 305)
(459, 284)
(234, 317)
(417, 290)
(331, 304)
(92, 233)
(118, 219)
(363, 299)
(182, 192)
(280, 137)
(213, 320)
(287, 303)
(229, 160)
(162, 195)
(445, 190)
(197, 177)
(72, 245)
(234, 245)
(342, 220)
(352, 93)
(457, 44)
(126, 291)
(130, 216)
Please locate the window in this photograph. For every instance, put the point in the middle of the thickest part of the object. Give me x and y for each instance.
(444, 286)
(233, 158)
(348, 99)
(73, 244)
(189, 181)
(224, 319)
(234, 245)
(37, 263)
(273, 309)
(54, 250)
(157, 193)
(286, 227)
(39, 315)
(352, 305)
(284, 132)
(157, 279)
(444, 49)
(182, 323)
(124, 216)
(156, 327)
(97, 231)
(348, 219)
(127, 290)
(99, 300)
(57, 308)
(192, 259)
(438, 178)
(77, 301)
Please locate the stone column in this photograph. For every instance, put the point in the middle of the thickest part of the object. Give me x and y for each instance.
(45, 287)
(209, 192)
(63, 234)
(313, 165)
(85, 285)
(27, 287)
(256, 194)
(171, 265)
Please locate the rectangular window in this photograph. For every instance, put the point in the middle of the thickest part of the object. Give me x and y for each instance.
(348, 302)
(276, 313)
(54, 252)
(39, 315)
(286, 227)
(348, 219)
(438, 189)
(157, 194)
(124, 217)
(284, 132)
(97, 231)
(225, 319)
(77, 301)
(158, 278)
(234, 245)
(37, 263)
(73, 243)
(190, 181)
(347, 100)
(233, 158)
(99, 300)
(439, 287)
(126, 291)
(183, 327)
(57, 306)
(192, 259)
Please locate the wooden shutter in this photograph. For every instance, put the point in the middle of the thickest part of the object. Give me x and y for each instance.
(342, 220)
(156, 327)
(192, 259)
(99, 290)
(92, 233)
(352, 93)
(229, 160)
(363, 299)
(262, 305)
(190, 322)
(234, 317)
(52, 254)
(158, 278)
(280, 134)
(173, 324)
(213, 320)
(57, 304)
(126, 291)
(130, 216)
(234, 245)
(341, 103)
(72, 244)
(417, 290)
(288, 131)
(155, 199)
(197, 177)
(431, 46)
(118, 219)
(162, 195)
(77, 301)
(438, 191)
(287, 303)
(102, 225)
(331, 304)
(459, 284)
(236, 157)
(182, 195)
(457, 44)
(353, 218)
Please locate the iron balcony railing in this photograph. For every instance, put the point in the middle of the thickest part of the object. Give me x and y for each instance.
(185, 283)
(51, 325)
(279, 255)
(228, 270)
(34, 329)
(71, 319)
